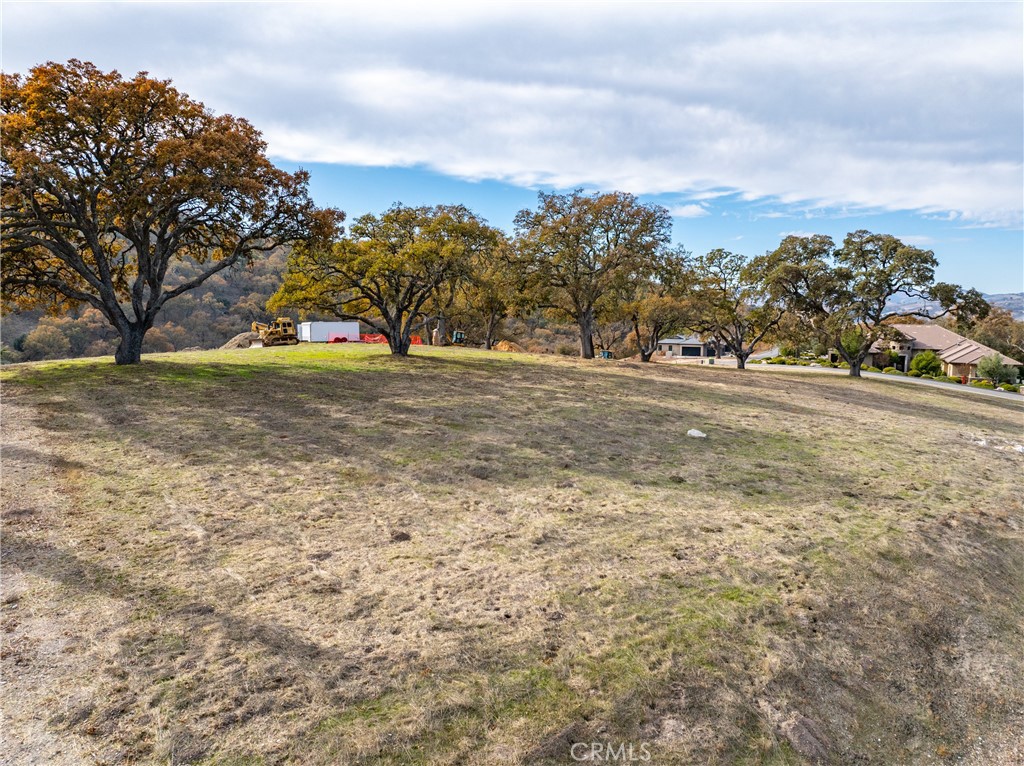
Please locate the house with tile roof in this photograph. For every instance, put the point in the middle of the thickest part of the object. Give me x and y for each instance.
(959, 355)
(690, 345)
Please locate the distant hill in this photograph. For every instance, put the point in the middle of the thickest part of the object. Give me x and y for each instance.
(1012, 302)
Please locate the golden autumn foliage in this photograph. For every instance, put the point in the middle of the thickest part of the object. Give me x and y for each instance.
(107, 181)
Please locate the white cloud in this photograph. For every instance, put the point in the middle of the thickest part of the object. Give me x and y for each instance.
(688, 211)
(917, 240)
(866, 106)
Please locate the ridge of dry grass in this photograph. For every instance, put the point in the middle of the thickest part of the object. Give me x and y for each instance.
(834, 575)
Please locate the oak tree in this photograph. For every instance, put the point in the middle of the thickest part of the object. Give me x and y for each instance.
(660, 303)
(108, 181)
(574, 247)
(387, 269)
(491, 292)
(732, 304)
(843, 296)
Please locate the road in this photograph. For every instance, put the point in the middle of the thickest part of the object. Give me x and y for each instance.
(1005, 396)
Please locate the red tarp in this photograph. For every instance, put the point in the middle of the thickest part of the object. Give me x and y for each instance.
(375, 338)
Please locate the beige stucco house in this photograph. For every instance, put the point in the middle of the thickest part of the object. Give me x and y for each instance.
(959, 355)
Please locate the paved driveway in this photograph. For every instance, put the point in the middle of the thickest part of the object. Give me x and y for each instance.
(956, 387)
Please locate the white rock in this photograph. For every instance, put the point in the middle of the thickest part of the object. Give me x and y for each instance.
(982, 443)
(1019, 447)
(696, 434)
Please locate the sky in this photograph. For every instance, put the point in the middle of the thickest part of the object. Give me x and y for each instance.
(748, 121)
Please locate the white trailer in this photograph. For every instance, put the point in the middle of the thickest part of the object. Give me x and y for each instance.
(328, 332)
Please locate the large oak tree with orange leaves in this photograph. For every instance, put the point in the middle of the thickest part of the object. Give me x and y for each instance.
(107, 180)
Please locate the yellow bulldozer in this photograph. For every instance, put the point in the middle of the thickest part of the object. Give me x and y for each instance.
(280, 332)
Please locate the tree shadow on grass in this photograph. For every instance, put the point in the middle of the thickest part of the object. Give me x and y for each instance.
(463, 419)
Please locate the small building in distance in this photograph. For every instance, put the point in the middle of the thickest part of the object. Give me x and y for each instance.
(959, 355)
(690, 346)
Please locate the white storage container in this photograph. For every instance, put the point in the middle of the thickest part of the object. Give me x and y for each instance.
(325, 332)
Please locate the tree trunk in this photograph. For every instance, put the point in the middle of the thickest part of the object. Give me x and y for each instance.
(399, 340)
(855, 367)
(491, 325)
(645, 356)
(741, 361)
(129, 350)
(586, 324)
(442, 331)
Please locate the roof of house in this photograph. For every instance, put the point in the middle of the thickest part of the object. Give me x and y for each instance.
(929, 336)
(970, 352)
(680, 340)
(951, 347)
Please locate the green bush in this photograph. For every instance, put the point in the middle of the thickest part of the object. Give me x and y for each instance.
(915, 374)
(946, 379)
(869, 368)
(927, 362)
(982, 384)
(1010, 387)
(992, 367)
(886, 358)
(926, 377)
(894, 371)
(843, 365)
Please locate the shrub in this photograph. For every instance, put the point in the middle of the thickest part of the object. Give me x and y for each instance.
(992, 367)
(927, 362)
(843, 365)
(886, 359)
(946, 379)
(566, 349)
(894, 371)
(926, 377)
(869, 368)
(915, 374)
(983, 384)
(1010, 387)
(46, 342)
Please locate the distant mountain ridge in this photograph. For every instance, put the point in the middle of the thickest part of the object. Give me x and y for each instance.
(1012, 302)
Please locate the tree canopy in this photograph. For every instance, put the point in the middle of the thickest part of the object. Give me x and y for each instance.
(388, 268)
(575, 247)
(731, 302)
(843, 295)
(107, 181)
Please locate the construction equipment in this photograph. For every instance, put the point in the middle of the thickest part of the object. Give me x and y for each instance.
(280, 332)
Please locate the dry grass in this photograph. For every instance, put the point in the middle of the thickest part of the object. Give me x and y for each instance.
(326, 555)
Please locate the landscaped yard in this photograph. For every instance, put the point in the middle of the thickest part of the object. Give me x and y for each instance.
(322, 555)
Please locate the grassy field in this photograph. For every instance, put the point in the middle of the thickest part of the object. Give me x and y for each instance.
(329, 556)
